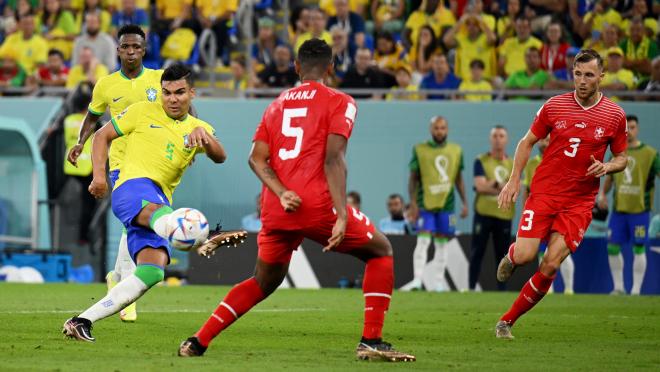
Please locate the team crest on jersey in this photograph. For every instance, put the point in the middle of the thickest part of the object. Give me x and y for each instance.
(560, 124)
(152, 93)
(599, 133)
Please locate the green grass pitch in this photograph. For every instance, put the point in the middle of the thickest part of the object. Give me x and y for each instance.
(318, 330)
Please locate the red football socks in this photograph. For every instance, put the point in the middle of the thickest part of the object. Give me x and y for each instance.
(532, 292)
(377, 287)
(238, 301)
(510, 253)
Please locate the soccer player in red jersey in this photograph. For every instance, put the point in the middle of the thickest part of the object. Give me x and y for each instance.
(298, 154)
(581, 125)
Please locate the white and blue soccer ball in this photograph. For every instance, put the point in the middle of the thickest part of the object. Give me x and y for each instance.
(187, 228)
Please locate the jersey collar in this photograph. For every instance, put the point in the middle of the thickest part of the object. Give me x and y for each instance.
(432, 143)
(127, 78)
(590, 107)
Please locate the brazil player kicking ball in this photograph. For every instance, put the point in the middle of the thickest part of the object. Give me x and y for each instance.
(131, 84)
(298, 154)
(162, 141)
(633, 199)
(581, 125)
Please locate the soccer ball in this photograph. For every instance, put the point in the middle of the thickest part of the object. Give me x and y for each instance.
(186, 228)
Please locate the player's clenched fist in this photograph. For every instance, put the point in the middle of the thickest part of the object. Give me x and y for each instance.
(198, 137)
(290, 201)
(74, 153)
(98, 188)
(508, 195)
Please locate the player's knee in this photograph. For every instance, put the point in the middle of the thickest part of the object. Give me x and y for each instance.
(613, 249)
(150, 275)
(382, 246)
(549, 266)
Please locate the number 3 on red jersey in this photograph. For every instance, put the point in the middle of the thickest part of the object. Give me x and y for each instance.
(298, 133)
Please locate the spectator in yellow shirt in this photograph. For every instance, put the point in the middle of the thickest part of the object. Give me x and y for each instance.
(388, 15)
(609, 38)
(357, 6)
(404, 90)
(603, 14)
(31, 49)
(505, 24)
(317, 23)
(476, 83)
(478, 43)
(430, 13)
(58, 27)
(420, 58)
(93, 6)
(512, 51)
(170, 15)
(388, 55)
(88, 70)
(617, 77)
(217, 15)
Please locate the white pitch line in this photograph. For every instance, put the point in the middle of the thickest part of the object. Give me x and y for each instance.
(163, 311)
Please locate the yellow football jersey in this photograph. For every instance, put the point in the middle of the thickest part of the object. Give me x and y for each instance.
(117, 92)
(156, 145)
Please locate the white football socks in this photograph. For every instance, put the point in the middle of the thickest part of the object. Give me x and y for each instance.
(440, 258)
(420, 255)
(639, 269)
(124, 265)
(616, 267)
(120, 296)
(567, 270)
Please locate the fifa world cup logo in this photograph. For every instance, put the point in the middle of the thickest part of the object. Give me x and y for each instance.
(441, 164)
(627, 173)
(501, 174)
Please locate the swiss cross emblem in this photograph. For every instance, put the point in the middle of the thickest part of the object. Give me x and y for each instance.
(599, 132)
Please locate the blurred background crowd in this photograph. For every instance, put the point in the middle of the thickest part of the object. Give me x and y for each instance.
(404, 48)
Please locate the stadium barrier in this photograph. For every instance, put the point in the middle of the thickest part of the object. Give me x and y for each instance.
(310, 268)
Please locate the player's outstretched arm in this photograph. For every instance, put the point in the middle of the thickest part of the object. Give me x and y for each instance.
(511, 189)
(258, 160)
(86, 130)
(335, 173)
(100, 145)
(460, 187)
(199, 137)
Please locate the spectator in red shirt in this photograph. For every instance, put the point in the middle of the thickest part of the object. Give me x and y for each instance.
(11, 73)
(54, 73)
(553, 52)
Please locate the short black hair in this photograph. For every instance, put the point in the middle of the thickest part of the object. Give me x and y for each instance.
(356, 196)
(396, 196)
(131, 29)
(500, 126)
(176, 72)
(55, 52)
(477, 63)
(315, 53)
(588, 55)
(633, 118)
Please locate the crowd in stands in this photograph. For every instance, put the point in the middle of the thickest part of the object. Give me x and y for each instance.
(407, 46)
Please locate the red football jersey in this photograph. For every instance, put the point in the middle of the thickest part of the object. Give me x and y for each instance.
(296, 128)
(576, 133)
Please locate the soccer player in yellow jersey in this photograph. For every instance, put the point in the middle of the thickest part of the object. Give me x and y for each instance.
(131, 84)
(162, 140)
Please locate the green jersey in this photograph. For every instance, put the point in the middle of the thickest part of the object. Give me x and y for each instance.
(634, 187)
(438, 166)
(530, 169)
(493, 169)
